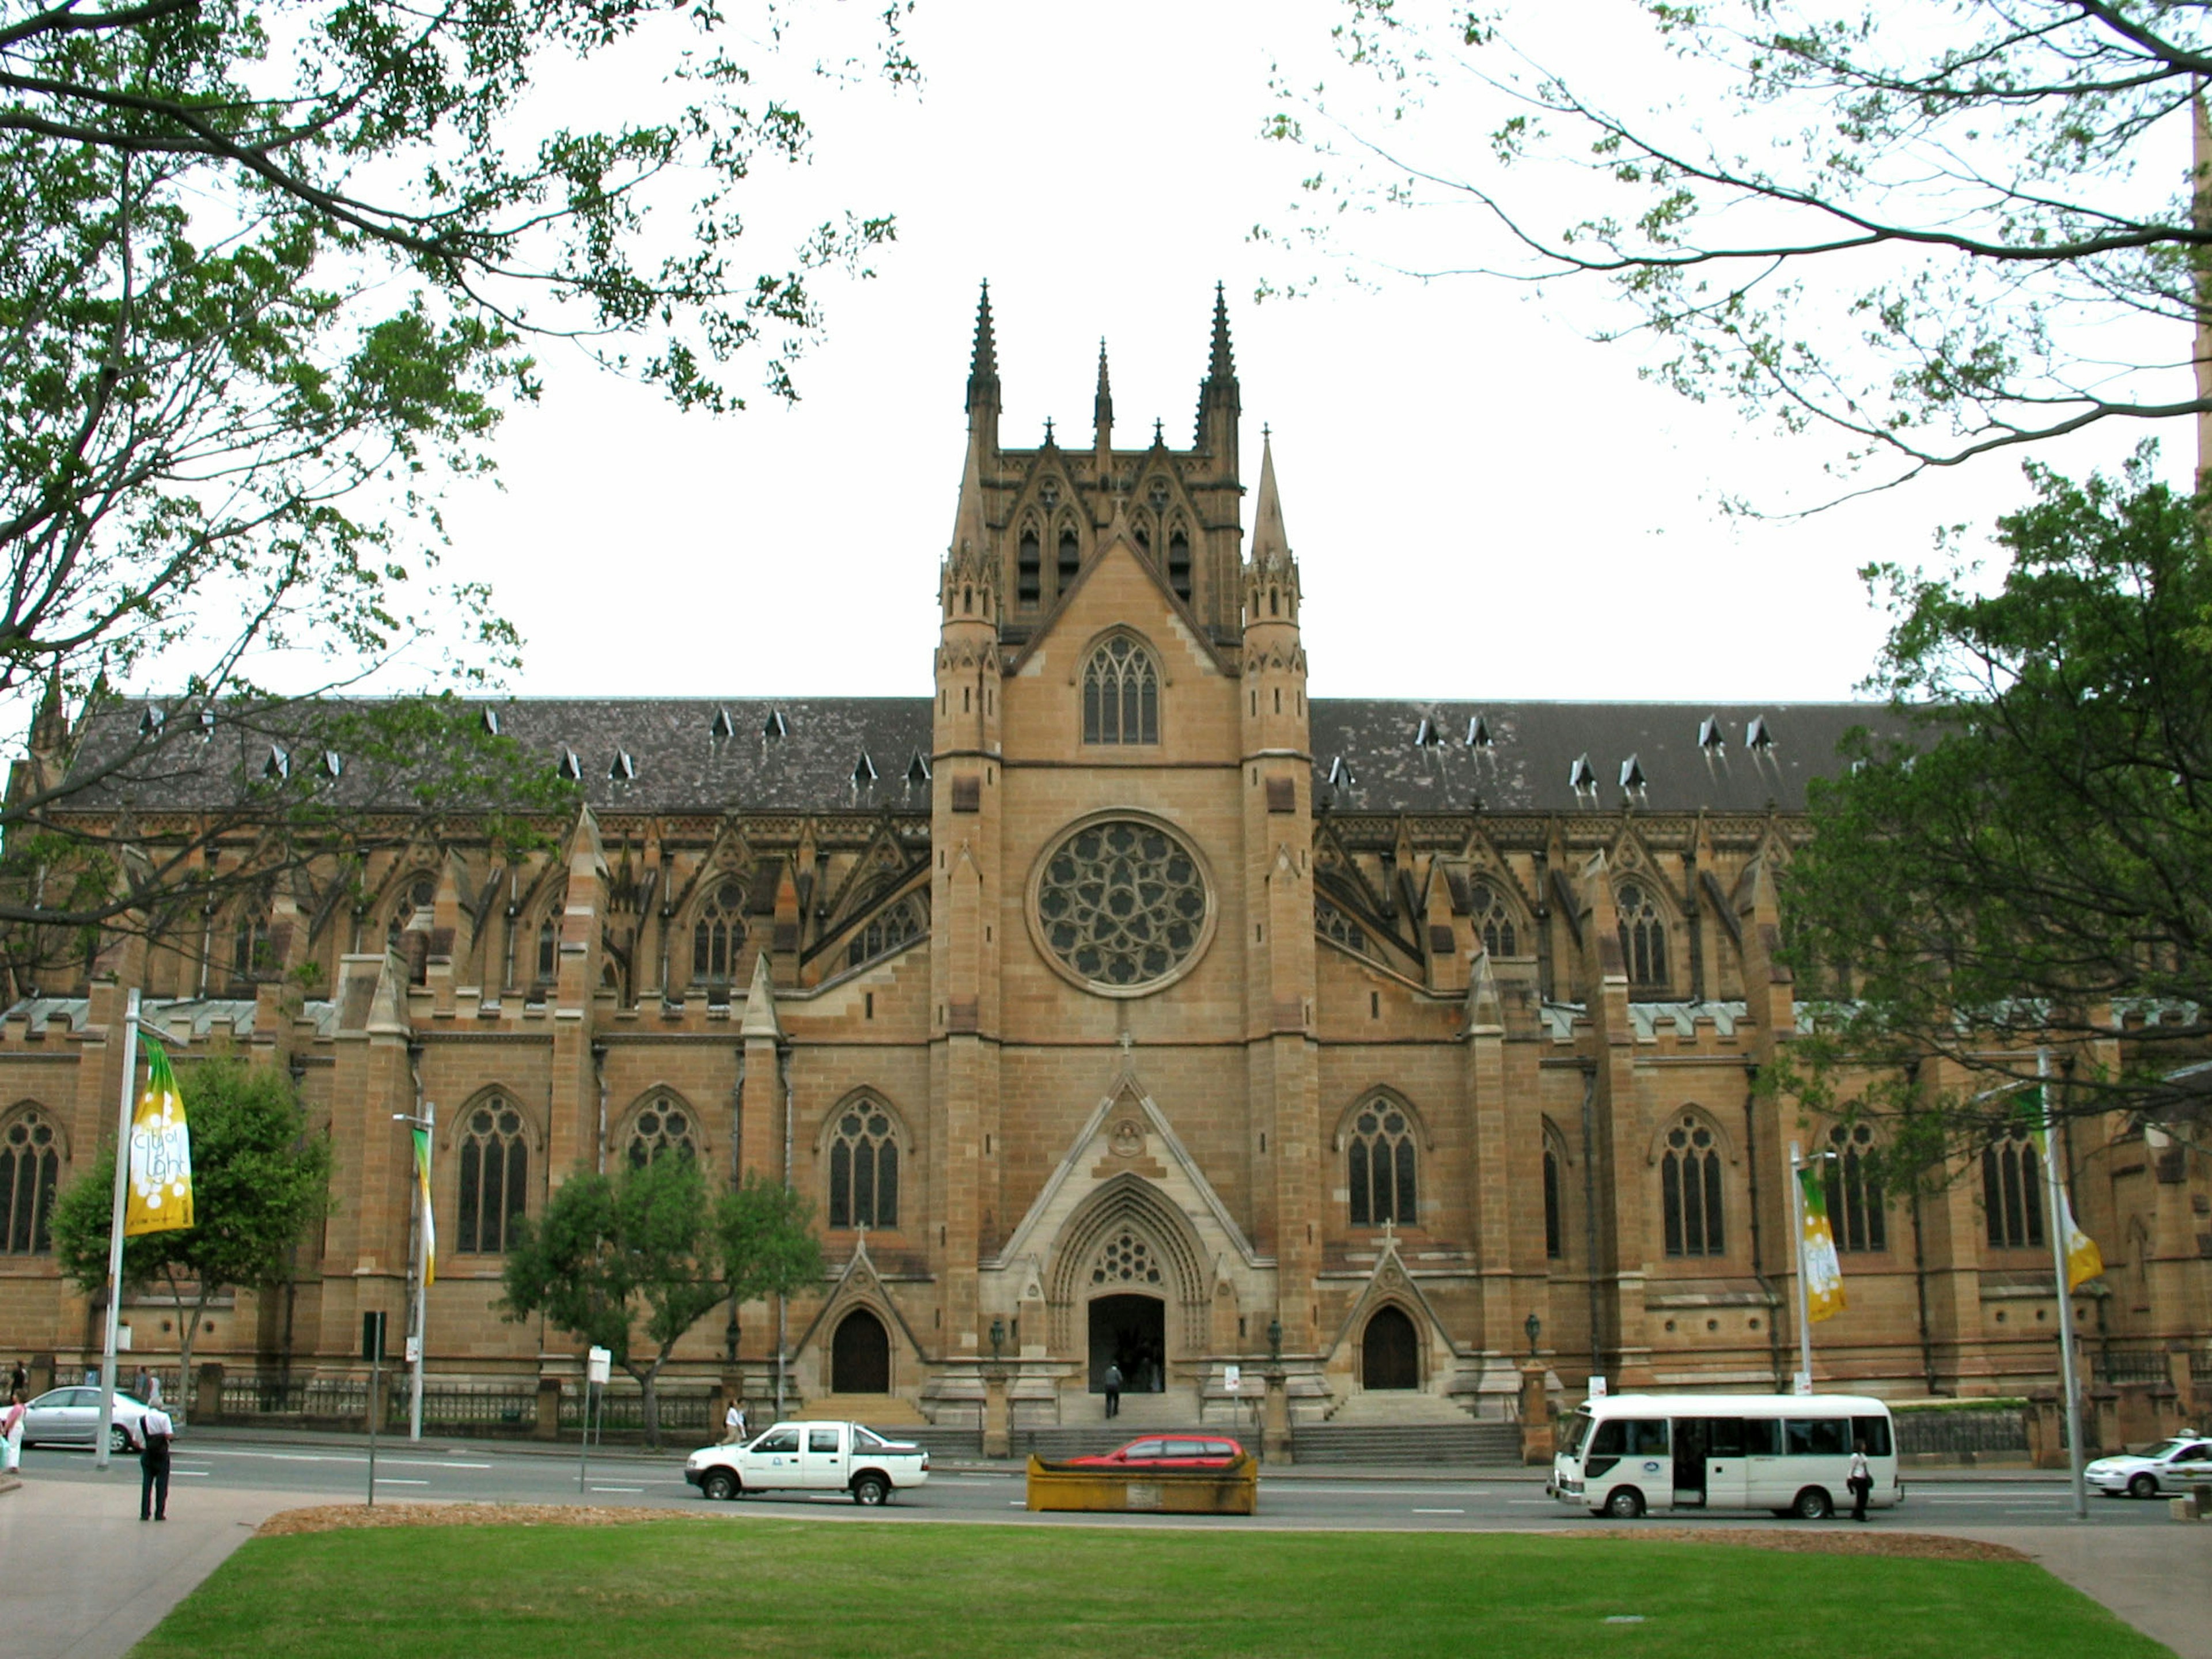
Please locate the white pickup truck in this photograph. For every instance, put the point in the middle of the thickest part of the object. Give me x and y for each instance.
(810, 1457)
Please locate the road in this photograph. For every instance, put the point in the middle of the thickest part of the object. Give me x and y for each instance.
(1377, 1500)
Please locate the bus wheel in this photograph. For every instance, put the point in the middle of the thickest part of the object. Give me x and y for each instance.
(1813, 1504)
(1626, 1503)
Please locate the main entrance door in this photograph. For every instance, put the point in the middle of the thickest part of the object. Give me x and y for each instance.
(1389, 1359)
(1131, 1331)
(860, 1356)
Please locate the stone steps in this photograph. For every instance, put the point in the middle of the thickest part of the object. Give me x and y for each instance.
(1056, 1445)
(1465, 1442)
(878, 1411)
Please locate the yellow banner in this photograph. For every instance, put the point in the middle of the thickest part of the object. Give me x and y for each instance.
(160, 1155)
(1824, 1271)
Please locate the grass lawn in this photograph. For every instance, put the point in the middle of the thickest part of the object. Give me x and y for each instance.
(881, 1589)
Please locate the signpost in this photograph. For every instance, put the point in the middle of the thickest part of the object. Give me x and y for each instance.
(115, 1231)
(372, 1342)
(598, 1367)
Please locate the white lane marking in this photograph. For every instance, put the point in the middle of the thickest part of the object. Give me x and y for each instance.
(1440, 1511)
(1018, 1506)
(393, 1480)
(342, 1457)
(191, 1474)
(618, 1489)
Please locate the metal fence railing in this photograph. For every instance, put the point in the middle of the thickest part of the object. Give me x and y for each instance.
(2117, 1365)
(1950, 1433)
(245, 1395)
(450, 1406)
(624, 1410)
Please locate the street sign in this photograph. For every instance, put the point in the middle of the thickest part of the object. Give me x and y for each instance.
(596, 1364)
(1597, 1387)
(1232, 1377)
(414, 1349)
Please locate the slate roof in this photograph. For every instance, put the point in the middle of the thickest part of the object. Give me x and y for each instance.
(805, 754)
(1526, 756)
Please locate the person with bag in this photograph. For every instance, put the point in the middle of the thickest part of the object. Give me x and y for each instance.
(11, 1433)
(1860, 1479)
(155, 1431)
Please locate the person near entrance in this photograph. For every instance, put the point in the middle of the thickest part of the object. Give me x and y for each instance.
(1860, 1480)
(733, 1425)
(155, 1431)
(1113, 1390)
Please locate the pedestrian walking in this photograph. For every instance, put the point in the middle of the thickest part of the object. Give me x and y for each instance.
(138, 1384)
(154, 1431)
(11, 1433)
(153, 1395)
(19, 1382)
(1113, 1390)
(1860, 1479)
(733, 1425)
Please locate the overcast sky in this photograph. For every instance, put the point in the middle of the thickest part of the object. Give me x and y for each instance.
(1485, 505)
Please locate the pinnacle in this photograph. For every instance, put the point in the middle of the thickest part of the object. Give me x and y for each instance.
(1223, 364)
(1270, 541)
(1102, 407)
(983, 364)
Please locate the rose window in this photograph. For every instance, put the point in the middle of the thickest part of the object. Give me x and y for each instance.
(1123, 904)
(1127, 1260)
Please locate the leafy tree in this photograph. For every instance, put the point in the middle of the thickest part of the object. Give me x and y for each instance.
(2033, 863)
(260, 1179)
(270, 274)
(631, 1262)
(1939, 230)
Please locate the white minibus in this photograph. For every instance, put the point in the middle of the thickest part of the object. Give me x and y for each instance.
(1624, 1454)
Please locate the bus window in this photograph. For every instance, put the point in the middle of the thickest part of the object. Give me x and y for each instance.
(1645, 1435)
(1873, 1434)
(1762, 1437)
(1725, 1437)
(1610, 1438)
(1821, 1436)
(1572, 1433)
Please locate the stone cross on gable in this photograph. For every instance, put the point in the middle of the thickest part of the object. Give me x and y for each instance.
(1389, 1235)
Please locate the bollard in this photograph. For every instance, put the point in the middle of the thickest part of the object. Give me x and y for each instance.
(2182, 1508)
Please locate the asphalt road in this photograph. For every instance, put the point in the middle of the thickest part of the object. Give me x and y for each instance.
(1420, 1502)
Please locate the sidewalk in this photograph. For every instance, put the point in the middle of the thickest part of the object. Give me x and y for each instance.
(87, 1578)
(2152, 1576)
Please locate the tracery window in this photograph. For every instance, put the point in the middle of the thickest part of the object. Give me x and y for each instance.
(1690, 1189)
(1857, 1213)
(249, 942)
(663, 1129)
(893, 927)
(2012, 1190)
(1179, 565)
(549, 948)
(1029, 570)
(1381, 1166)
(718, 935)
(1120, 694)
(1071, 561)
(418, 896)
(495, 1178)
(1493, 921)
(863, 1171)
(1125, 1260)
(30, 1166)
(1122, 903)
(1334, 924)
(1642, 936)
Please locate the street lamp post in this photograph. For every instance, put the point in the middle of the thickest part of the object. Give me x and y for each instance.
(418, 1265)
(1535, 1328)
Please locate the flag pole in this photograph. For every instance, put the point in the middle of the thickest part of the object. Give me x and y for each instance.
(2054, 1192)
(115, 1217)
(1804, 1380)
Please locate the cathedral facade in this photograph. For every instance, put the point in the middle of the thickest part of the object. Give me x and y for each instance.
(1116, 1004)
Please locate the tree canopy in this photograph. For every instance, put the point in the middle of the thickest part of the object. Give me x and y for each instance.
(271, 270)
(2033, 864)
(631, 1262)
(1939, 230)
(260, 1179)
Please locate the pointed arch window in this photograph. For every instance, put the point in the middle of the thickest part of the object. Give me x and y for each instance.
(718, 935)
(662, 1129)
(1690, 1189)
(1381, 1167)
(249, 942)
(1029, 568)
(1070, 560)
(1857, 1213)
(1120, 694)
(1179, 565)
(1642, 937)
(1555, 1228)
(495, 1178)
(1334, 924)
(886, 932)
(30, 1168)
(2012, 1190)
(1493, 919)
(864, 1169)
(549, 948)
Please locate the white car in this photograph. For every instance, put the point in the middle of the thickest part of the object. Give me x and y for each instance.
(70, 1417)
(2170, 1465)
(810, 1457)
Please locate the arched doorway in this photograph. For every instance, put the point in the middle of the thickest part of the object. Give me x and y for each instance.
(1131, 1331)
(860, 1356)
(1389, 1354)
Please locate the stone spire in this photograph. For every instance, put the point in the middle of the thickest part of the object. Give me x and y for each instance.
(1101, 407)
(1223, 366)
(1218, 401)
(50, 727)
(983, 396)
(760, 1017)
(1271, 542)
(969, 582)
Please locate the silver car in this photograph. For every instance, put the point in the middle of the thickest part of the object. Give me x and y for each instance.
(70, 1417)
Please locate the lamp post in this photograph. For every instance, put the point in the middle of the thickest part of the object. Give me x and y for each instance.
(998, 1338)
(1275, 1342)
(1534, 1326)
(418, 1268)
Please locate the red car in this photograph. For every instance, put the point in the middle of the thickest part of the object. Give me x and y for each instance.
(1211, 1453)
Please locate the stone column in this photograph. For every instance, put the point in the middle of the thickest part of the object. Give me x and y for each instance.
(1275, 1422)
(997, 1438)
(548, 1426)
(1537, 1440)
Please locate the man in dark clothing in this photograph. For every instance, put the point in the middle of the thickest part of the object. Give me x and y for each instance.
(154, 1430)
(1113, 1390)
